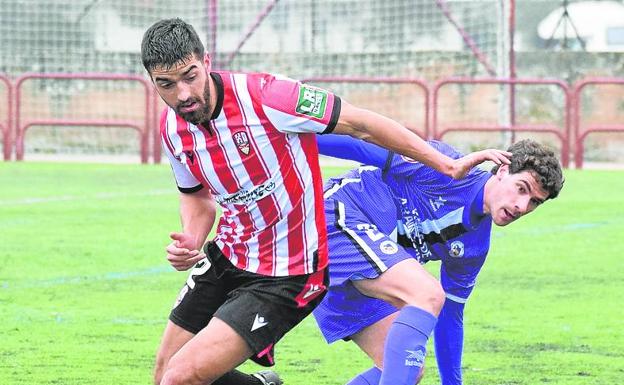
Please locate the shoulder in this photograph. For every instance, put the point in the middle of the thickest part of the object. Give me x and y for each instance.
(168, 121)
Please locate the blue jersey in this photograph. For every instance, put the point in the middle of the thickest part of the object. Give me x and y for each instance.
(433, 216)
(430, 216)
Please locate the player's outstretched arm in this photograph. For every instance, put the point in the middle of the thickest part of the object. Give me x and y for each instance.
(383, 131)
(449, 342)
(350, 148)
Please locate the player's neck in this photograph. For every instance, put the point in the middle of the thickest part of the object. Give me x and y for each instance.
(487, 193)
(214, 99)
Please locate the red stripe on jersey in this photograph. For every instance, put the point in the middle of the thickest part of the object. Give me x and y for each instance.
(279, 142)
(266, 251)
(296, 246)
(222, 166)
(225, 172)
(257, 170)
(240, 249)
(237, 123)
(188, 147)
(310, 148)
(292, 184)
(266, 238)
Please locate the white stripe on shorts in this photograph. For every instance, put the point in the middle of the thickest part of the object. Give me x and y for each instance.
(372, 256)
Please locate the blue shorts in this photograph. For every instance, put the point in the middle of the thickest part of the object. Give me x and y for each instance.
(358, 249)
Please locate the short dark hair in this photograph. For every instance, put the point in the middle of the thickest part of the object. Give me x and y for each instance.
(168, 42)
(541, 161)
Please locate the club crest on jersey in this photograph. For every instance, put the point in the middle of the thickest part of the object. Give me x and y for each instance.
(312, 101)
(242, 142)
(388, 247)
(457, 249)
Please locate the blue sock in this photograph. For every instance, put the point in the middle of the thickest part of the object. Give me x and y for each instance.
(405, 348)
(369, 377)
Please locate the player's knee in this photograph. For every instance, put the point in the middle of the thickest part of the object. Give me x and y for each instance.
(437, 297)
(429, 296)
(180, 376)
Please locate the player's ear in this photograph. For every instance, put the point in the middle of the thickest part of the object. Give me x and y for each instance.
(502, 171)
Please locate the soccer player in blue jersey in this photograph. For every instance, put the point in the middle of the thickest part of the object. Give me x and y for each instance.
(386, 219)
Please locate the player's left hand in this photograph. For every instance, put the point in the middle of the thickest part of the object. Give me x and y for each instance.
(462, 166)
(182, 253)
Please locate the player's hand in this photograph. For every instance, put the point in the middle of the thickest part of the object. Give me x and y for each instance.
(182, 253)
(462, 166)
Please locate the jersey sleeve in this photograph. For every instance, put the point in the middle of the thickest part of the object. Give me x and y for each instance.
(185, 180)
(294, 107)
(347, 147)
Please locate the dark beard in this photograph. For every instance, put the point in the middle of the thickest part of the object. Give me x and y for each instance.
(203, 114)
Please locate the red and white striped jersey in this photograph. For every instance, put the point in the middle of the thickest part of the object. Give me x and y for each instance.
(259, 158)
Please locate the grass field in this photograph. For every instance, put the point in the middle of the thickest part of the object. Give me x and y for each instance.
(85, 289)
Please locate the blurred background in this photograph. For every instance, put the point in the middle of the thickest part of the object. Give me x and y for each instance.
(473, 73)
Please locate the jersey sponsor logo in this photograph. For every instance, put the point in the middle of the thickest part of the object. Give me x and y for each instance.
(414, 232)
(457, 249)
(242, 142)
(388, 247)
(415, 357)
(246, 196)
(258, 322)
(312, 101)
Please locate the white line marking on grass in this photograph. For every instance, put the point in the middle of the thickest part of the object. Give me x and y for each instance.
(65, 198)
(32, 201)
(111, 276)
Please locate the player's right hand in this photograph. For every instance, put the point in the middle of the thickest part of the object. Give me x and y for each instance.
(182, 253)
(462, 166)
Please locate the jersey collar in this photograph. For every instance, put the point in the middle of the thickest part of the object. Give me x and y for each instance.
(219, 87)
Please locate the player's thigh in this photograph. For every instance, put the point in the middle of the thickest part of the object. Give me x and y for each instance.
(372, 338)
(362, 252)
(214, 351)
(406, 282)
(264, 308)
(204, 291)
(358, 248)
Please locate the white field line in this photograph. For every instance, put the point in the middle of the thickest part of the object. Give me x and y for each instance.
(85, 279)
(65, 198)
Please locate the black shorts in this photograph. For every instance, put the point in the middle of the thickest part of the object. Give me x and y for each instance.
(261, 309)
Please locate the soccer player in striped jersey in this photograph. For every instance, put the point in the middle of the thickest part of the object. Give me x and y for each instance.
(247, 142)
(386, 219)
